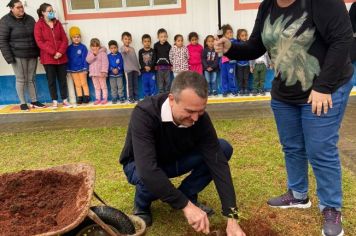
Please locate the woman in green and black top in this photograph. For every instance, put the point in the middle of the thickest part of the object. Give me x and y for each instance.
(308, 41)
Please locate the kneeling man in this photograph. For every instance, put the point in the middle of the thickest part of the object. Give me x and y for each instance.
(170, 135)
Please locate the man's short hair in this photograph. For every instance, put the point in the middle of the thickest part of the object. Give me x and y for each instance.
(192, 80)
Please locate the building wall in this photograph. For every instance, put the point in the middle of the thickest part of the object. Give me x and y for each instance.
(201, 16)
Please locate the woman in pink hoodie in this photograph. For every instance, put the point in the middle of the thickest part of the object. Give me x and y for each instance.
(195, 53)
(98, 70)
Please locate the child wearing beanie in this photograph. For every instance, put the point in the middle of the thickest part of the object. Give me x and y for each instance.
(77, 65)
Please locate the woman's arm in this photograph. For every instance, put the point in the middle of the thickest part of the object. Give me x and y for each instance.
(250, 50)
(336, 31)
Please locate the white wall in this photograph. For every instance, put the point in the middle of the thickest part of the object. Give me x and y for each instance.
(201, 17)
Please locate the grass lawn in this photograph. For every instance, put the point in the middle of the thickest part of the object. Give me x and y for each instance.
(257, 168)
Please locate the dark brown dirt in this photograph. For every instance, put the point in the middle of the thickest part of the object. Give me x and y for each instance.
(34, 202)
(252, 227)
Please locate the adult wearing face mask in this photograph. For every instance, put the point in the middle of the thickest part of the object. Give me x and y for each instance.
(53, 43)
(19, 49)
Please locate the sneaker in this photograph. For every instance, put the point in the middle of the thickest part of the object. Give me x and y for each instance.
(254, 92)
(208, 210)
(103, 102)
(24, 107)
(37, 104)
(332, 222)
(114, 101)
(122, 100)
(262, 92)
(54, 104)
(235, 94)
(215, 93)
(97, 102)
(145, 215)
(246, 92)
(287, 200)
(131, 100)
(66, 104)
(224, 95)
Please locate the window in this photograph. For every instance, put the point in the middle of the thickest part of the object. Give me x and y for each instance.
(99, 9)
(102, 5)
(82, 4)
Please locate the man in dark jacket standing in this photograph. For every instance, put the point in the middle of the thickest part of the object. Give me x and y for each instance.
(18, 47)
(170, 135)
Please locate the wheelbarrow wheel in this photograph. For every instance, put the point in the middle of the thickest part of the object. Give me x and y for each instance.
(110, 216)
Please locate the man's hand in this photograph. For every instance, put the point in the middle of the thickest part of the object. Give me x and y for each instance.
(197, 218)
(115, 71)
(233, 228)
(320, 102)
(222, 45)
(251, 69)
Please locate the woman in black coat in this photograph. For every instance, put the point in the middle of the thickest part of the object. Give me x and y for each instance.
(18, 47)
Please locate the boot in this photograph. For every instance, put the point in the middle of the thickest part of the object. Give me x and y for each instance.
(86, 99)
(80, 100)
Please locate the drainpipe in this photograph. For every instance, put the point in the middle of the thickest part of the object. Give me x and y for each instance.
(219, 14)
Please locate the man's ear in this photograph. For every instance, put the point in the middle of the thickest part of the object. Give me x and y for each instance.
(171, 99)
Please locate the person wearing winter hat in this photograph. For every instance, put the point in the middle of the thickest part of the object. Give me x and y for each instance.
(77, 65)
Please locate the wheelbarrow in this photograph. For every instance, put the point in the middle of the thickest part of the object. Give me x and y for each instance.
(83, 203)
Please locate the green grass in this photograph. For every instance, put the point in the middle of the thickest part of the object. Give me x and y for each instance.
(257, 168)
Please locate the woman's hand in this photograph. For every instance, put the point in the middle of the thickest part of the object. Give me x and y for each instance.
(320, 102)
(222, 45)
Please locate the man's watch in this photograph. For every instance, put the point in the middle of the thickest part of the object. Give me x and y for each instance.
(234, 213)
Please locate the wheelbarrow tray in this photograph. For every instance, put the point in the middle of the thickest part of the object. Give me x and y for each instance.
(86, 190)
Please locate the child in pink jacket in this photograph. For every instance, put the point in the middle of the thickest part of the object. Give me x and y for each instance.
(195, 53)
(98, 70)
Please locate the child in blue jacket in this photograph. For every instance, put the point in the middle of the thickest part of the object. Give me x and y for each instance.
(77, 65)
(116, 72)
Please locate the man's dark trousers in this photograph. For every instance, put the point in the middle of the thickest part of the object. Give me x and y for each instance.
(199, 178)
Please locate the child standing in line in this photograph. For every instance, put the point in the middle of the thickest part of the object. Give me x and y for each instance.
(147, 58)
(162, 48)
(116, 72)
(243, 67)
(131, 67)
(179, 55)
(259, 68)
(98, 70)
(210, 64)
(195, 53)
(78, 66)
(228, 67)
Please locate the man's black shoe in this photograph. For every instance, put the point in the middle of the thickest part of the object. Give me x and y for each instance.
(145, 215)
(208, 210)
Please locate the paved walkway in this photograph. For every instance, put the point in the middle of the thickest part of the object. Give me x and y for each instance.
(118, 115)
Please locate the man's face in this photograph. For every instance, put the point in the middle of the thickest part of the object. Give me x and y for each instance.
(188, 109)
(18, 10)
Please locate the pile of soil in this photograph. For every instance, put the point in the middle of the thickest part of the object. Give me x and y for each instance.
(35, 202)
(252, 227)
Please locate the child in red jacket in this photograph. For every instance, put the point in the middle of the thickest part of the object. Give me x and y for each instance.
(195, 53)
(52, 41)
